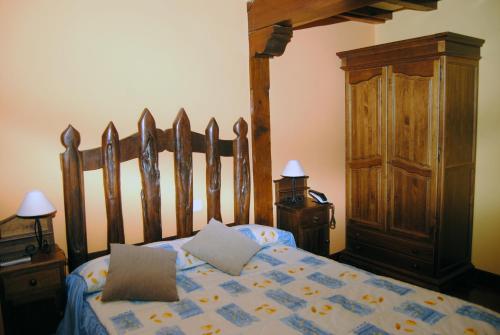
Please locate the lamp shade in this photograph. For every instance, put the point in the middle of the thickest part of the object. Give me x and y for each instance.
(293, 169)
(35, 204)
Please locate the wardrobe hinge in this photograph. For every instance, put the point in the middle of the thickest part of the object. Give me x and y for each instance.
(439, 154)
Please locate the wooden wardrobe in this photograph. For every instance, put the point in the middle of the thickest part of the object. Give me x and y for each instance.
(411, 115)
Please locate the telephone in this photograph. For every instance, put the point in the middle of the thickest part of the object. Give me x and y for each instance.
(318, 197)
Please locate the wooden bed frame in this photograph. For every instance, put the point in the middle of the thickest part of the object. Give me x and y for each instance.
(145, 145)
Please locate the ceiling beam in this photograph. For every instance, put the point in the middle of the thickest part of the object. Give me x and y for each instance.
(422, 5)
(373, 12)
(361, 18)
(263, 13)
(325, 22)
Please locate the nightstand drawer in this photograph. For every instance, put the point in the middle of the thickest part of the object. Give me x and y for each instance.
(314, 217)
(31, 282)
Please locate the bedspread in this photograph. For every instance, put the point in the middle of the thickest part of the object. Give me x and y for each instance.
(284, 290)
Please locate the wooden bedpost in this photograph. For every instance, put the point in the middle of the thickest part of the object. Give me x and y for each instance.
(74, 198)
(241, 171)
(110, 149)
(213, 170)
(264, 44)
(183, 166)
(150, 177)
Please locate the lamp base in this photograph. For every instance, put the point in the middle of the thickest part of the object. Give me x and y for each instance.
(43, 245)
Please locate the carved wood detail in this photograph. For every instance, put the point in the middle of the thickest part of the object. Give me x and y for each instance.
(145, 145)
(213, 171)
(74, 200)
(112, 190)
(150, 177)
(241, 173)
(183, 166)
(270, 41)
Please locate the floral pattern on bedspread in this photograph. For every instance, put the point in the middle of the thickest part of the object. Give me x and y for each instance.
(282, 290)
(294, 292)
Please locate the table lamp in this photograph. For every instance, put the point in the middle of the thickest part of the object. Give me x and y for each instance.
(293, 170)
(35, 205)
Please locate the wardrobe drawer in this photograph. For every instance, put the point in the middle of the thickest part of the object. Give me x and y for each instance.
(420, 251)
(391, 258)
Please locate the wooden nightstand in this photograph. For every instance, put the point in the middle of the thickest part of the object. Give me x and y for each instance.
(309, 222)
(33, 295)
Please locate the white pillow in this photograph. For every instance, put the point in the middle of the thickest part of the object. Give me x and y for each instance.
(226, 249)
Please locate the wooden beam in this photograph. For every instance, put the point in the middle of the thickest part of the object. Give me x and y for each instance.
(422, 5)
(261, 141)
(263, 13)
(373, 12)
(325, 22)
(270, 41)
(360, 18)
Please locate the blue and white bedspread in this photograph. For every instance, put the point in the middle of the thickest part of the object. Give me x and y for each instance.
(282, 290)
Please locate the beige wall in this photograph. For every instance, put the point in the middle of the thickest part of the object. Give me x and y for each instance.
(478, 18)
(89, 62)
(307, 110)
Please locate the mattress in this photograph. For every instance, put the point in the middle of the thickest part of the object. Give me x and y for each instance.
(282, 290)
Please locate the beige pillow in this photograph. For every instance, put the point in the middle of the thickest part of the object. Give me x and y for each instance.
(226, 249)
(140, 273)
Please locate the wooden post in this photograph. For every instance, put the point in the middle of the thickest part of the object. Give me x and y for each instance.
(74, 198)
(264, 44)
(110, 149)
(241, 173)
(183, 166)
(213, 170)
(150, 177)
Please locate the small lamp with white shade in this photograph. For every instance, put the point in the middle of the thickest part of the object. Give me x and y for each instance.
(293, 170)
(36, 205)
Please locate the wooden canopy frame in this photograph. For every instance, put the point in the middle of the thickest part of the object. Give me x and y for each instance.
(270, 29)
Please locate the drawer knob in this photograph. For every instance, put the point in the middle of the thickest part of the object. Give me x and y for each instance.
(327, 242)
(415, 266)
(33, 282)
(356, 235)
(315, 218)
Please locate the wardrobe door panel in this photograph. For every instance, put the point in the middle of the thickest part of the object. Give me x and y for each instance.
(366, 91)
(366, 187)
(412, 121)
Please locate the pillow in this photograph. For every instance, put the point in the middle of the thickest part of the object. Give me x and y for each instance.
(226, 249)
(138, 273)
(267, 236)
(94, 272)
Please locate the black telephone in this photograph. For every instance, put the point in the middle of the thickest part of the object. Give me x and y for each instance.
(318, 197)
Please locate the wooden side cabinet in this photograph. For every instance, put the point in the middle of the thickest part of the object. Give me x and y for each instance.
(309, 222)
(33, 295)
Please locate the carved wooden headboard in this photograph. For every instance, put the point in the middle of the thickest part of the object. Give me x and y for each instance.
(145, 145)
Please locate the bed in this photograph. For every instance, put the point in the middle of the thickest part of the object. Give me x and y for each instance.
(281, 290)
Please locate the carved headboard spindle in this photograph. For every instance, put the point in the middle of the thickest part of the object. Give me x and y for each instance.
(241, 173)
(150, 177)
(213, 170)
(183, 167)
(74, 200)
(112, 190)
